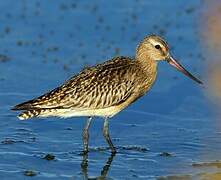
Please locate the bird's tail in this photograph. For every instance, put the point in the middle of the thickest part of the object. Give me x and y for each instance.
(29, 114)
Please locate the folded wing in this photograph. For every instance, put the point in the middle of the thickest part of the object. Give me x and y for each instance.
(101, 86)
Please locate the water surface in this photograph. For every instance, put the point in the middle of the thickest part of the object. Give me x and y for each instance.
(169, 133)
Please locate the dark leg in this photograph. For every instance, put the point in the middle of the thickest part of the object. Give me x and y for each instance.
(84, 166)
(86, 135)
(104, 172)
(107, 136)
(107, 166)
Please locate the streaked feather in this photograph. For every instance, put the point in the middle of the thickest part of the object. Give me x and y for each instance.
(101, 86)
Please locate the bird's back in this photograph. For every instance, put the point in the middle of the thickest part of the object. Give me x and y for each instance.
(96, 88)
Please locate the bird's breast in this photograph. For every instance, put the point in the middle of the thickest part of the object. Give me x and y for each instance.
(147, 80)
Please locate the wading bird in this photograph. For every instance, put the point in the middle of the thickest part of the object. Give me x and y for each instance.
(105, 89)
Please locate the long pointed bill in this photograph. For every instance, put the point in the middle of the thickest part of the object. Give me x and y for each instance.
(180, 68)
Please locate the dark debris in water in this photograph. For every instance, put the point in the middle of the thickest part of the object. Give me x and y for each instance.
(4, 58)
(166, 154)
(8, 141)
(69, 128)
(23, 130)
(135, 148)
(49, 157)
(7, 29)
(190, 10)
(30, 173)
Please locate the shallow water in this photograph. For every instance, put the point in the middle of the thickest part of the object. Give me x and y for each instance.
(171, 133)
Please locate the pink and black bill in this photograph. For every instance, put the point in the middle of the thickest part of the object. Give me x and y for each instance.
(180, 68)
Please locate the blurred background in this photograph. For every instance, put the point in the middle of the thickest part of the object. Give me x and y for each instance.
(174, 132)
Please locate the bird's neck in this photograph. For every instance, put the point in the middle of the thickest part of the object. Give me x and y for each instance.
(148, 68)
(148, 65)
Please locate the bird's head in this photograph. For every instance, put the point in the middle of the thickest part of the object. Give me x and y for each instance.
(154, 49)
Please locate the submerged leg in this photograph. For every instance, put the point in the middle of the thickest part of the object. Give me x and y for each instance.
(86, 135)
(107, 136)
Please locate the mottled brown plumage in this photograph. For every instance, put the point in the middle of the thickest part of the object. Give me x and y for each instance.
(99, 87)
(104, 89)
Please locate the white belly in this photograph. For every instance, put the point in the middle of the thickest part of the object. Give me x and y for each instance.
(65, 113)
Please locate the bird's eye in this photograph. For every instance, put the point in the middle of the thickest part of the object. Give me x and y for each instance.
(157, 46)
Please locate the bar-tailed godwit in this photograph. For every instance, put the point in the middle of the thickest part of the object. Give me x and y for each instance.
(105, 89)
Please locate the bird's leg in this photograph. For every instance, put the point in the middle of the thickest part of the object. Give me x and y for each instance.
(86, 135)
(84, 166)
(107, 166)
(107, 136)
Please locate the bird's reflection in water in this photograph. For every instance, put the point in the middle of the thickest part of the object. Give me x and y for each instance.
(104, 171)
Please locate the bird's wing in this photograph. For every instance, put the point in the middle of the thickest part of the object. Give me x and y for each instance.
(101, 86)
